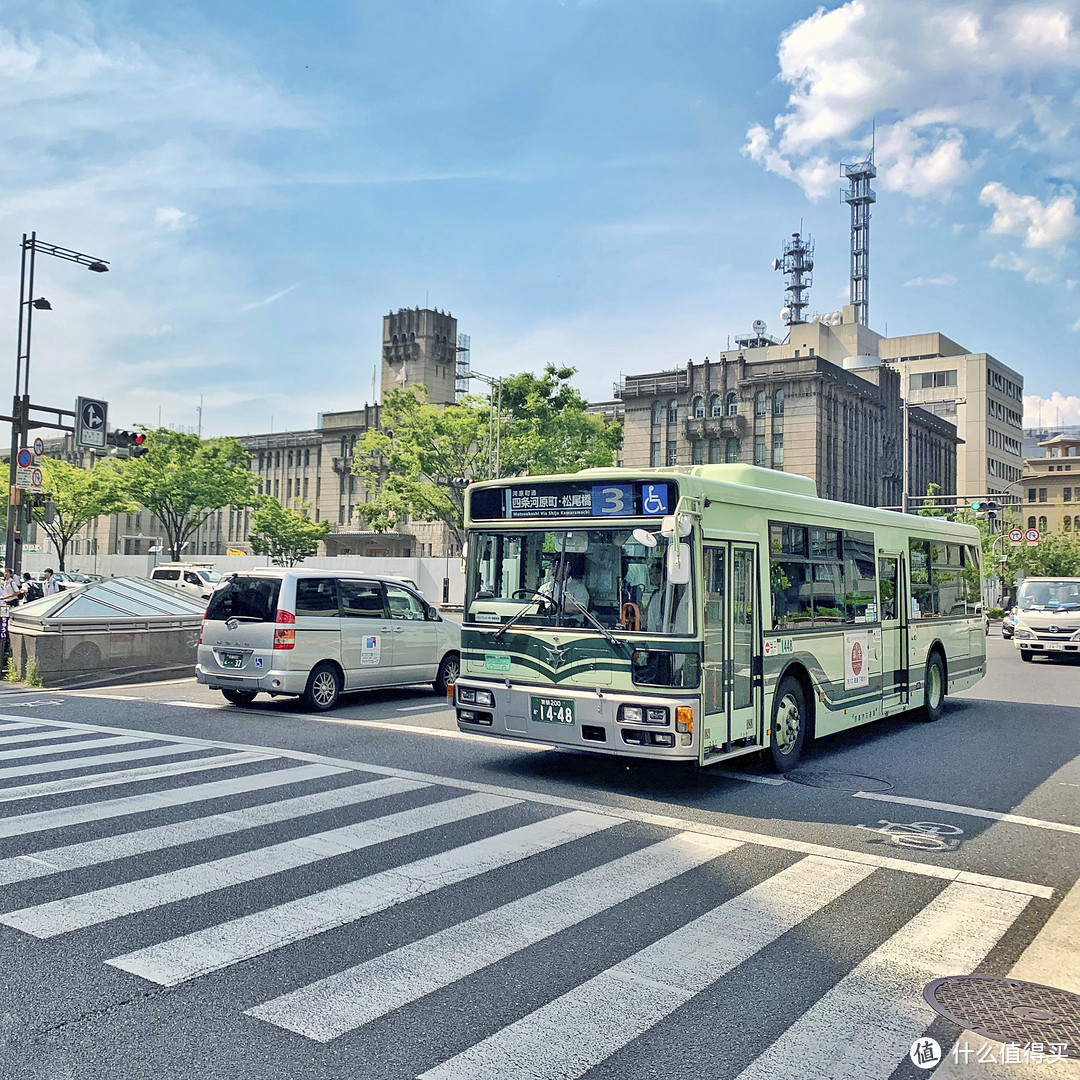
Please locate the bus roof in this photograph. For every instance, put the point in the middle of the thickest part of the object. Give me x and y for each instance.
(751, 485)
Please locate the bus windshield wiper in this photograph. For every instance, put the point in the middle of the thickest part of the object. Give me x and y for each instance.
(596, 622)
(520, 615)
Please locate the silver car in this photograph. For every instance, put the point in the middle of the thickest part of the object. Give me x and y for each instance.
(316, 633)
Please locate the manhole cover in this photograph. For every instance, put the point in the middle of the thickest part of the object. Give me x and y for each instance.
(1009, 1010)
(837, 781)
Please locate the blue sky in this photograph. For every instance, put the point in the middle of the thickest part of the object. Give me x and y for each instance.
(602, 183)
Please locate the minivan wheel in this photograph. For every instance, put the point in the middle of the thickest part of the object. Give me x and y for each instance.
(239, 697)
(449, 670)
(323, 688)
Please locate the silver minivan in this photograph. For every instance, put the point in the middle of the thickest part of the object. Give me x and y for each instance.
(316, 633)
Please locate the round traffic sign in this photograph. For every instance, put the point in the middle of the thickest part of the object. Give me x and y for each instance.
(25, 458)
(35, 478)
(39, 447)
(1015, 535)
(1033, 536)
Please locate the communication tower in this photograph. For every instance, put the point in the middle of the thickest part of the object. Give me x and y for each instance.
(797, 264)
(859, 196)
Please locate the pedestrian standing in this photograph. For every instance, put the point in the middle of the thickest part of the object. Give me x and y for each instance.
(49, 584)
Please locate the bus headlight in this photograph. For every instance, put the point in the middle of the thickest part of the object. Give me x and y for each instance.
(466, 695)
(643, 714)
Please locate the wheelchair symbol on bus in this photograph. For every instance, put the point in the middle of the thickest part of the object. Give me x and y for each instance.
(654, 498)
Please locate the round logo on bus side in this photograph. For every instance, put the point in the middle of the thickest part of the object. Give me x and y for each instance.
(856, 659)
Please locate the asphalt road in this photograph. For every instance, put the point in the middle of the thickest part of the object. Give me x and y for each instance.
(189, 889)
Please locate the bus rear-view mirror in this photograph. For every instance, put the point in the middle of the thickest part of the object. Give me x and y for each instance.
(678, 564)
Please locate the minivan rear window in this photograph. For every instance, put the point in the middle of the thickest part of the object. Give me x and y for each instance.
(245, 598)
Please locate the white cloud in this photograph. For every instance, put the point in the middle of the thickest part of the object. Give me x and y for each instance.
(935, 72)
(1071, 284)
(945, 279)
(1056, 410)
(1043, 225)
(270, 299)
(172, 219)
(1032, 271)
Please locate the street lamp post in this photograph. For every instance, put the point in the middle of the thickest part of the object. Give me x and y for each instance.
(21, 424)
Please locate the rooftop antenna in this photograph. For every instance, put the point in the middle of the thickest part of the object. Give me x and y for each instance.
(860, 195)
(797, 264)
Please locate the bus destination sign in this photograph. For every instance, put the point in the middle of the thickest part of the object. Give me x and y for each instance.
(574, 500)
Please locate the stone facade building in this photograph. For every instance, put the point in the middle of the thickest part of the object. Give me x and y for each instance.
(1051, 487)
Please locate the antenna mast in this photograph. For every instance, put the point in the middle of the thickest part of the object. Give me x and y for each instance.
(859, 197)
(797, 264)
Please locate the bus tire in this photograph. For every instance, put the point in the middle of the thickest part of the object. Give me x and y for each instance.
(790, 717)
(323, 687)
(1025, 655)
(934, 688)
(449, 670)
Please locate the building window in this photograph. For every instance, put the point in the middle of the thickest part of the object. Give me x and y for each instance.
(1066, 523)
(929, 380)
(777, 450)
(1042, 494)
(1042, 524)
(277, 459)
(760, 398)
(715, 408)
(341, 515)
(778, 403)
(290, 459)
(732, 452)
(657, 412)
(714, 452)
(277, 488)
(1066, 494)
(673, 453)
(344, 445)
(698, 451)
(673, 412)
(1031, 497)
(759, 449)
(1031, 523)
(655, 459)
(341, 484)
(699, 408)
(733, 404)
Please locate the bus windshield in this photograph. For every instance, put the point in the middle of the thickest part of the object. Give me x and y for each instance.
(551, 578)
(1046, 595)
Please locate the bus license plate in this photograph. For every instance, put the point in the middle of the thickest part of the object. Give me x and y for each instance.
(552, 710)
(232, 659)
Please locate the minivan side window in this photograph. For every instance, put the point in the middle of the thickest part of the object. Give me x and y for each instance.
(361, 599)
(317, 596)
(403, 605)
(166, 575)
(192, 579)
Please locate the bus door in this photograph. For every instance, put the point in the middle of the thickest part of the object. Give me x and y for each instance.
(893, 597)
(732, 672)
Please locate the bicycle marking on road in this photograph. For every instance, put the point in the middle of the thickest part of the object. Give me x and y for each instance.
(969, 811)
(921, 835)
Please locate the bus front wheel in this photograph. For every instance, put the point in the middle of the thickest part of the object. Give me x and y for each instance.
(934, 688)
(789, 720)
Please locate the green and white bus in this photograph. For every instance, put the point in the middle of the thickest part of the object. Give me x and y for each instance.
(706, 612)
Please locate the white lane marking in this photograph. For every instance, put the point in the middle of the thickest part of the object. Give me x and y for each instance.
(876, 1011)
(750, 778)
(183, 958)
(50, 751)
(104, 697)
(354, 997)
(429, 705)
(102, 905)
(578, 1030)
(125, 845)
(20, 723)
(92, 760)
(195, 704)
(37, 736)
(667, 821)
(130, 776)
(970, 811)
(438, 733)
(64, 816)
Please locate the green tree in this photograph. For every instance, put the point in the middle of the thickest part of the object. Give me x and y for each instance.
(1055, 555)
(415, 464)
(183, 479)
(78, 496)
(547, 427)
(287, 536)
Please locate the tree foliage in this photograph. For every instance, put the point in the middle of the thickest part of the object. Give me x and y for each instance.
(287, 536)
(1055, 555)
(182, 479)
(417, 464)
(78, 496)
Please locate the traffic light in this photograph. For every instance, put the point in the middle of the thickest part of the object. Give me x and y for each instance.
(134, 442)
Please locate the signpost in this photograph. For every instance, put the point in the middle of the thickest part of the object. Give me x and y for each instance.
(1015, 536)
(91, 423)
(1032, 536)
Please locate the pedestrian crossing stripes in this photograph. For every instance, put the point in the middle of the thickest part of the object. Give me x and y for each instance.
(373, 845)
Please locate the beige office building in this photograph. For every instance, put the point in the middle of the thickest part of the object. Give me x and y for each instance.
(1051, 487)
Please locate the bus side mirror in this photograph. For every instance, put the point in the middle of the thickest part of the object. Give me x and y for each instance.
(678, 564)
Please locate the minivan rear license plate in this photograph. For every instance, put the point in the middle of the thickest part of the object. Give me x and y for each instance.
(552, 710)
(232, 659)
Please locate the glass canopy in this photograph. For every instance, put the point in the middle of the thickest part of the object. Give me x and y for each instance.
(113, 599)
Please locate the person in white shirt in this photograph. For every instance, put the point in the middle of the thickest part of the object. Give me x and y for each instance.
(9, 590)
(567, 584)
(49, 584)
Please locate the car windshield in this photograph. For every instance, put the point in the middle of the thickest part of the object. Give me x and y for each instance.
(1049, 595)
(562, 578)
(211, 576)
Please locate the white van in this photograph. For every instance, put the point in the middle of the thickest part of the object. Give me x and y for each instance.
(195, 579)
(315, 633)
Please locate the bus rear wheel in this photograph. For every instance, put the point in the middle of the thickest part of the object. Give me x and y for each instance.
(789, 720)
(934, 688)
